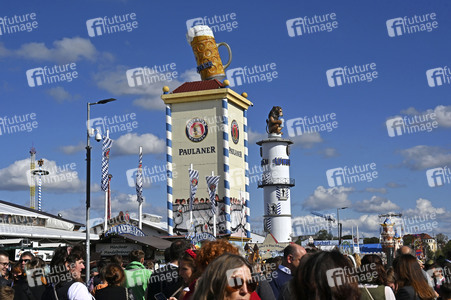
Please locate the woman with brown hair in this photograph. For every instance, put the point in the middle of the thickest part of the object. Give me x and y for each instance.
(207, 253)
(115, 276)
(373, 279)
(324, 276)
(410, 279)
(228, 277)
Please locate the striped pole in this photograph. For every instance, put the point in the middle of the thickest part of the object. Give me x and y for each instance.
(169, 168)
(247, 226)
(40, 189)
(225, 147)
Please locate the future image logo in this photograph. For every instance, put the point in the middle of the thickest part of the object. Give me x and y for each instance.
(438, 176)
(18, 23)
(217, 23)
(309, 25)
(145, 76)
(349, 75)
(348, 175)
(409, 25)
(52, 74)
(306, 125)
(397, 126)
(115, 124)
(109, 25)
(18, 123)
(254, 74)
(438, 76)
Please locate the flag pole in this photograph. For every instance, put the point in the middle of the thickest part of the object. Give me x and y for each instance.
(105, 224)
(214, 215)
(140, 201)
(191, 206)
(241, 219)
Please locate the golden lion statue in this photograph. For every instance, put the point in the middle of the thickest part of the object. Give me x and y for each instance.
(273, 124)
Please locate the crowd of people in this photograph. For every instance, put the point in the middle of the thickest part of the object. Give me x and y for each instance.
(218, 270)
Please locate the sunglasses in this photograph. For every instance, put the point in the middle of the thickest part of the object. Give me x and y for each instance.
(236, 283)
(24, 260)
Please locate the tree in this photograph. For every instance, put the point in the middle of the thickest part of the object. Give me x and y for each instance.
(408, 239)
(323, 235)
(441, 240)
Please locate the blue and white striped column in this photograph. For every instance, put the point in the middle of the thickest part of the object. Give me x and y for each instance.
(40, 189)
(169, 168)
(246, 179)
(225, 147)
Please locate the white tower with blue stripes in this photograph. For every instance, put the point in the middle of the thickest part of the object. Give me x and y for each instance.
(206, 130)
(276, 184)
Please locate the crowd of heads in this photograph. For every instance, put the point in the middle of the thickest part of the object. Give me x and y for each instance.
(220, 270)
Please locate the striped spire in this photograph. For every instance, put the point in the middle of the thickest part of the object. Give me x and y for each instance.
(139, 177)
(107, 143)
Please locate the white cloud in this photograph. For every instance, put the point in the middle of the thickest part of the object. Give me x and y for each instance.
(394, 185)
(375, 205)
(149, 95)
(307, 140)
(66, 50)
(442, 113)
(376, 190)
(328, 198)
(329, 152)
(254, 136)
(310, 225)
(71, 149)
(425, 157)
(423, 206)
(62, 177)
(60, 94)
(130, 142)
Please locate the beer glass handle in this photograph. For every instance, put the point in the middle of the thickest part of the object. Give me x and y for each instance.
(230, 53)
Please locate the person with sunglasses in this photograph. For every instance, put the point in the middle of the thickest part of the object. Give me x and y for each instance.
(228, 277)
(25, 258)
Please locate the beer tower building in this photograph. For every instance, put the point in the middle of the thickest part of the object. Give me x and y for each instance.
(206, 127)
(276, 182)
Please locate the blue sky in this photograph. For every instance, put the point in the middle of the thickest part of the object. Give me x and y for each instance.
(259, 36)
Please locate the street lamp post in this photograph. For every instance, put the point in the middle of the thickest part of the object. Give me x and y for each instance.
(338, 222)
(88, 184)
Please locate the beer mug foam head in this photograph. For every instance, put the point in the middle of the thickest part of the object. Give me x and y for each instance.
(205, 49)
(199, 30)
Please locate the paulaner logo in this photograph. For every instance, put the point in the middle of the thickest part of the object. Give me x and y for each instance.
(348, 75)
(114, 124)
(146, 75)
(438, 176)
(406, 125)
(109, 25)
(240, 76)
(19, 123)
(347, 175)
(309, 25)
(408, 25)
(438, 76)
(299, 126)
(10, 25)
(49, 75)
(220, 23)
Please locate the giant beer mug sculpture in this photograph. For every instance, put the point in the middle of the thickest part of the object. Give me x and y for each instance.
(205, 49)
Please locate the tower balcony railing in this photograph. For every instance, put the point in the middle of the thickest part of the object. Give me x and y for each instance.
(276, 181)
